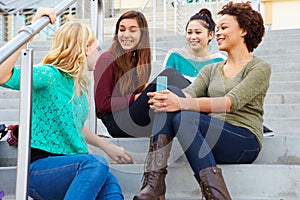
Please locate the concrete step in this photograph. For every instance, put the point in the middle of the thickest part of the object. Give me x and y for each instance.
(262, 181)
(277, 105)
(13, 103)
(277, 166)
(169, 197)
(286, 151)
(282, 98)
(282, 59)
(285, 76)
(282, 111)
(279, 51)
(292, 43)
(284, 86)
(272, 35)
(285, 67)
(8, 181)
(8, 94)
(282, 125)
(9, 115)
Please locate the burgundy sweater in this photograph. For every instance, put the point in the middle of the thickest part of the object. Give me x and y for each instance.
(106, 99)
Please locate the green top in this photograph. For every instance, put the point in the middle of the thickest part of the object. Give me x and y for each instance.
(58, 114)
(246, 90)
(187, 64)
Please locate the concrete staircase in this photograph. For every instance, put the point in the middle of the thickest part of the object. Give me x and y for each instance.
(275, 175)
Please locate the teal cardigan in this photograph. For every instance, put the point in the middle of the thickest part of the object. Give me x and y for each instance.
(187, 64)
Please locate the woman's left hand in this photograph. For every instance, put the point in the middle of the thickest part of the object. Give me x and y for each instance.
(164, 101)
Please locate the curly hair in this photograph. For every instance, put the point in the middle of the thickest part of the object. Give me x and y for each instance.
(248, 19)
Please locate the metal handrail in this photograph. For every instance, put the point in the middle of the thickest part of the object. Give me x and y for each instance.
(145, 5)
(27, 32)
(7, 3)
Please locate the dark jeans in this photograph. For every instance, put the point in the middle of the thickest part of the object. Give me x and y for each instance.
(207, 140)
(137, 120)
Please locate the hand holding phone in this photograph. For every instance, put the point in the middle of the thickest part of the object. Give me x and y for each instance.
(161, 83)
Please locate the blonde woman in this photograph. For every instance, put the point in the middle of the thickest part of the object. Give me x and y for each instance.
(61, 167)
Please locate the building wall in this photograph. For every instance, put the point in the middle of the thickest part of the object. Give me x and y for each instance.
(130, 3)
(281, 14)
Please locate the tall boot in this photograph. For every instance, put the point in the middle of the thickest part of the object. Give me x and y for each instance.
(154, 186)
(212, 184)
(149, 159)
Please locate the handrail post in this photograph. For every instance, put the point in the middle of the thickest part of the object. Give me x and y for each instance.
(25, 125)
(165, 15)
(97, 24)
(97, 19)
(154, 31)
(175, 15)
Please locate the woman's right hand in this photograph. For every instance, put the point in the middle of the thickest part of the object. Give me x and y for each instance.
(45, 11)
(7, 66)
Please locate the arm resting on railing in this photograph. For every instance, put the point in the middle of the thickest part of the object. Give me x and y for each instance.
(7, 66)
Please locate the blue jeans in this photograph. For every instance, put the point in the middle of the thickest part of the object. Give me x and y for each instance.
(205, 140)
(72, 177)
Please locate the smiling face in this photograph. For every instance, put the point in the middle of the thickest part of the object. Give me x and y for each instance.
(129, 34)
(197, 35)
(229, 34)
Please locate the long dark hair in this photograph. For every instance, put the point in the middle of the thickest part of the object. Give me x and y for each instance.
(141, 56)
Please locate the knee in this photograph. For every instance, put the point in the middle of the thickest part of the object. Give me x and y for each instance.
(98, 163)
(184, 121)
(169, 72)
(111, 189)
(112, 180)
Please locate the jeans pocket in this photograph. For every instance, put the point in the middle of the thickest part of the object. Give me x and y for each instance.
(248, 156)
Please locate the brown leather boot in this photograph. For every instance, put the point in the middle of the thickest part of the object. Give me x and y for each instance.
(212, 184)
(154, 186)
(149, 159)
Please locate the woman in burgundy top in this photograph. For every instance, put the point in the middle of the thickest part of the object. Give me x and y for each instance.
(122, 79)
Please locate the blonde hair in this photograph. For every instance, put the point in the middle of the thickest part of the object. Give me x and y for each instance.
(68, 51)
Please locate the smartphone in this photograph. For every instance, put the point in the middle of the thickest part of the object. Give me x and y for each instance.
(161, 83)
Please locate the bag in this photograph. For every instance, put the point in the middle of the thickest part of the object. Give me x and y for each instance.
(13, 135)
(3, 131)
(12, 132)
